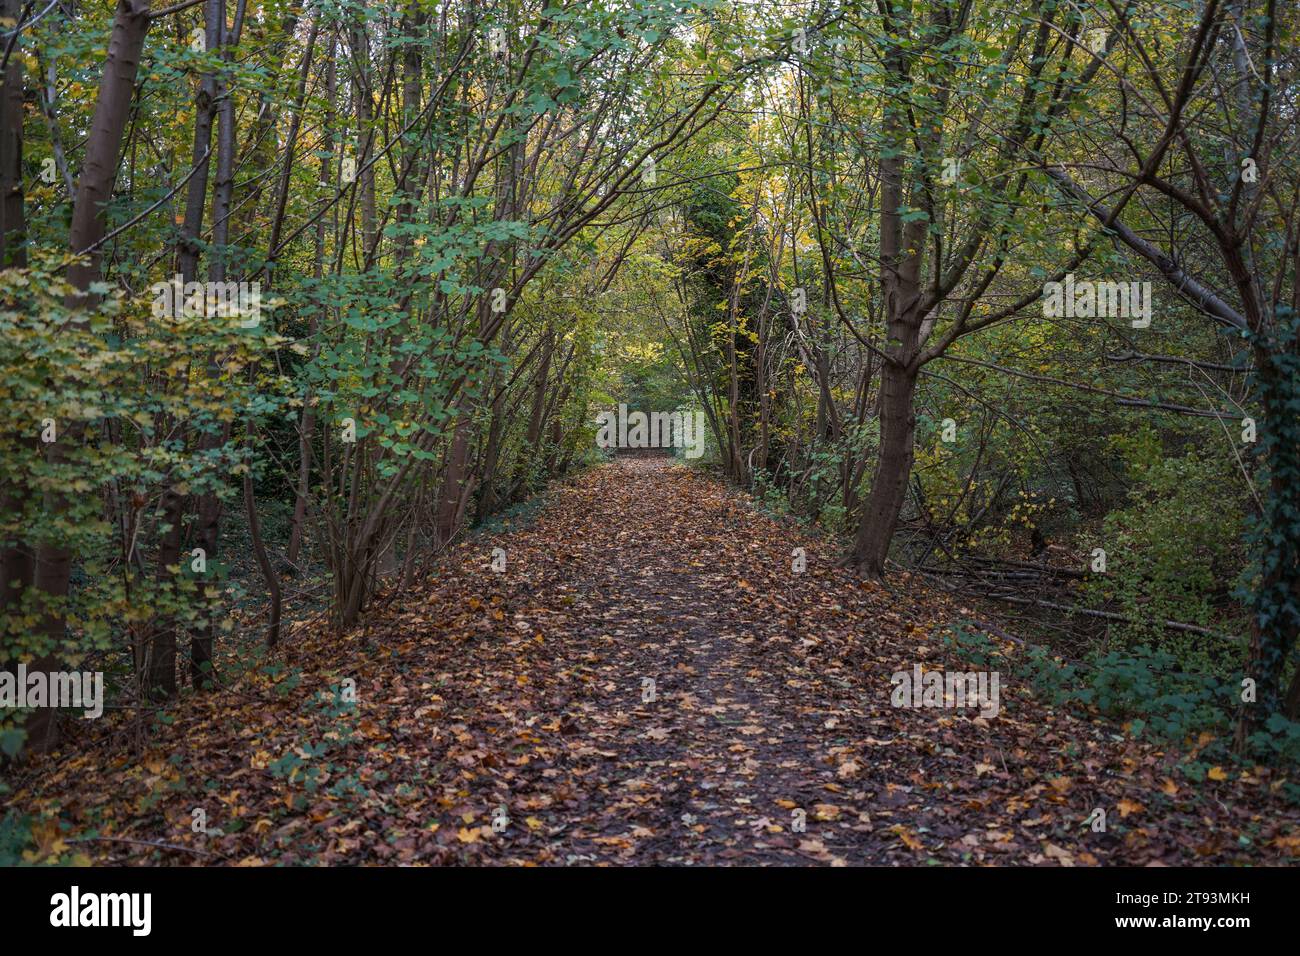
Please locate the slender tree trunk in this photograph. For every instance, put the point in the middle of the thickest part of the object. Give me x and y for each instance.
(46, 94)
(207, 530)
(901, 246)
(260, 553)
(279, 204)
(196, 197)
(735, 463)
(17, 563)
(889, 485)
(364, 110)
(104, 146)
(156, 657)
(735, 454)
(13, 208)
(1272, 641)
(532, 447)
(760, 383)
(99, 170)
(17, 559)
(487, 502)
(453, 482)
(307, 426)
(156, 660)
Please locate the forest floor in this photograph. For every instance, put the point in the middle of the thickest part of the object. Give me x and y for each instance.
(524, 696)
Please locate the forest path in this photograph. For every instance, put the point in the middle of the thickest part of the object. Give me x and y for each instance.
(523, 696)
(771, 737)
(704, 737)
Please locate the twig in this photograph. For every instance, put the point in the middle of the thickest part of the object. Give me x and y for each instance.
(153, 843)
(176, 8)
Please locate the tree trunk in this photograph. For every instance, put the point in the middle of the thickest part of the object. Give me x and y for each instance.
(104, 146)
(307, 427)
(901, 247)
(363, 105)
(13, 209)
(208, 523)
(1275, 620)
(449, 500)
(894, 464)
(99, 170)
(487, 501)
(16, 558)
(196, 197)
(260, 553)
(155, 661)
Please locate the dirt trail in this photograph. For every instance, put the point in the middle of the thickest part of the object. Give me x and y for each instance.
(767, 735)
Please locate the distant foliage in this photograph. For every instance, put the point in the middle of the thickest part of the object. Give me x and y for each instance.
(1174, 552)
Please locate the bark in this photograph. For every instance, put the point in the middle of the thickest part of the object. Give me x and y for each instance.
(1271, 644)
(16, 559)
(307, 426)
(901, 246)
(46, 95)
(531, 452)
(487, 501)
(889, 485)
(104, 145)
(208, 512)
(156, 658)
(764, 405)
(260, 553)
(13, 209)
(364, 108)
(99, 170)
(196, 197)
(281, 199)
(450, 502)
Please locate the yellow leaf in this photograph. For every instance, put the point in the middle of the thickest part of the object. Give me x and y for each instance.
(1127, 806)
(1289, 843)
(908, 838)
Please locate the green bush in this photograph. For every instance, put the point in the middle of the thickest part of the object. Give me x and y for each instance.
(1146, 688)
(1174, 552)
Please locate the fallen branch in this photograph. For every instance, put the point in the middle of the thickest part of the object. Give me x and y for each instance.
(153, 843)
(1112, 616)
